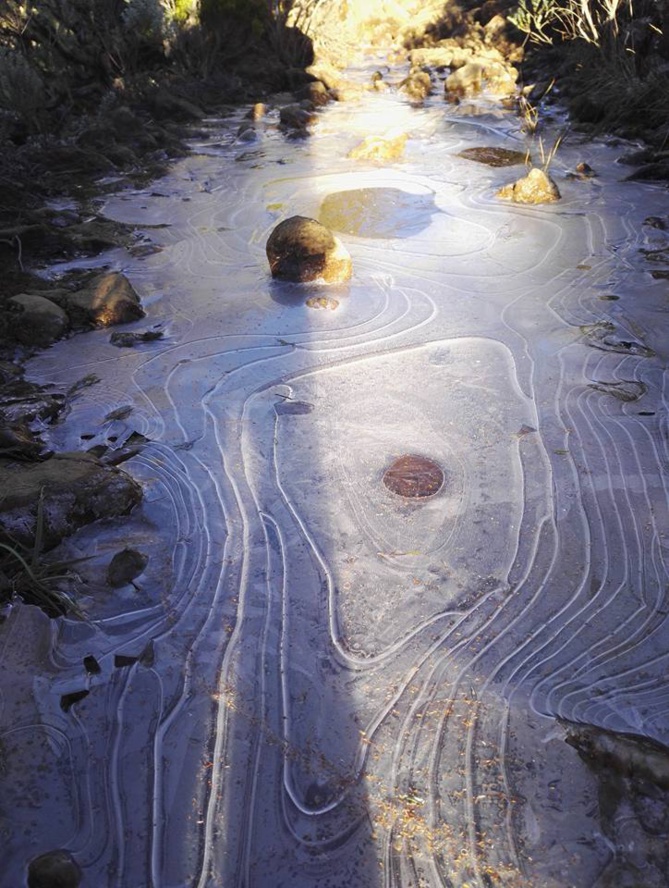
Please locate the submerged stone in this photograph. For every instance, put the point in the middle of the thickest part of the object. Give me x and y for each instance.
(635, 756)
(297, 118)
(294, 408)
(624, 390)
(494, 157)
(125, 339)
(125, 566)
(605, 336)
(377, 212)
(414, 477)
(302, 249)
(320, 302)
(55, 869)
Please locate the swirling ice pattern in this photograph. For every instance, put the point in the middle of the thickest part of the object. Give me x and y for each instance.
(343, 688)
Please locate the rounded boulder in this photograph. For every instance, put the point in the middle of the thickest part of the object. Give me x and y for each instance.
(55, 869)
(300, 249)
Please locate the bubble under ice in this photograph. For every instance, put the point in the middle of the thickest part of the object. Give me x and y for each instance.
(315, 681)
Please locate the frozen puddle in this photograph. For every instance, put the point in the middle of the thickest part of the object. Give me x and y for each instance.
(393, 546)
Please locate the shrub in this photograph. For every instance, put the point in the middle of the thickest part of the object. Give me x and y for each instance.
(536, 19)
(589, 20)
(22, 92)
(221, 15)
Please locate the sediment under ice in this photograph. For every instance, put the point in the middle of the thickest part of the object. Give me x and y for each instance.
(315, 681)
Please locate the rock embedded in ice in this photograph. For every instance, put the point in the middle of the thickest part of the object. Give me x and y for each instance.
(494, 157)
(55, 869)
(414, 476)
(535, 188)
(301, 249)
(125, 566)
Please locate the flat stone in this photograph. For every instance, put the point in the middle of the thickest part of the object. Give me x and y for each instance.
(494, 157)
(414, 477)
(378, 212)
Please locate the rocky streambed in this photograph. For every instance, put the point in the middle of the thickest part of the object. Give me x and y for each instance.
(392, 607)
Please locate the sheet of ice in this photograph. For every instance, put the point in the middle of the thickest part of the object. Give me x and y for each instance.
(317, 682)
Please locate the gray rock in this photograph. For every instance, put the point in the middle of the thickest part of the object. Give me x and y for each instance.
(55, 869)
(35, 320)
(76, 489)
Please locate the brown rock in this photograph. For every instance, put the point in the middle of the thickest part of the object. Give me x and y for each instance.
(326, 73)
(301, 249)
(107, 300)
(35, 320)
(258, 111)
(414, 476)
(315, 92)
(494, 157)
(417, 86)
(535, 188)
(496, 77)
(297, 117)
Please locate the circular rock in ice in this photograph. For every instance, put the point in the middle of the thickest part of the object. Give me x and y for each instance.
(301, 249)
(414, 476)
(55, 869)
